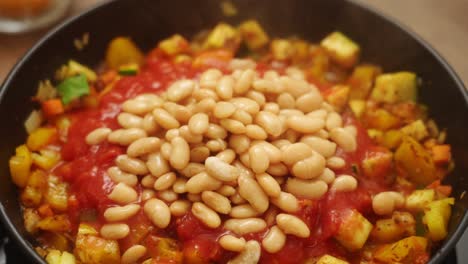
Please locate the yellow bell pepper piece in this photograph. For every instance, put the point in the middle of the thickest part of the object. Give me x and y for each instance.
(123, 51)
(436, 217)
(20, 166)
(40, 138)
(174, 45)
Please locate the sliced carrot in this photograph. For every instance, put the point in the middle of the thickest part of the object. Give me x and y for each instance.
(52, 107)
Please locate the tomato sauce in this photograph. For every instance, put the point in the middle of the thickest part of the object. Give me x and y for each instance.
(84, 168)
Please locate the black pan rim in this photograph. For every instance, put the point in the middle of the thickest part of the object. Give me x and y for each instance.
(27, 247)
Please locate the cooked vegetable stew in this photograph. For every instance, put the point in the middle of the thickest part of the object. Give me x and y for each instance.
(295, 153)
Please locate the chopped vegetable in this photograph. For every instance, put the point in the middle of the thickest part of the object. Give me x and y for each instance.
(395, 87)
(281, 49)
(57, 194)
(45, 91)
(441, 154)
(341, 49)
(401, 250)
(36, 186)
(20, 166)
(353, 231)
(338, 97)
(253, 35)
(415, 161)
(33, 121)
(392, 138)
(358, 107)
(74, 68)
(129, 69)
(174, 45)
(57, 257)
(41, 137)
(419, 199)
(416, 129)
(436, 217)
(362, 80)
(123, 51)
(56, 223)
(73, 88)
(52, 107)
(380, 119)
(46, 159)
(223, 36)
(89, 248)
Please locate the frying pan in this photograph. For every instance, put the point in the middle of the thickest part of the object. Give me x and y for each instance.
(383, 42)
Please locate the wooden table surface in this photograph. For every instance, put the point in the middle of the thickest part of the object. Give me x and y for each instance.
(442, 23)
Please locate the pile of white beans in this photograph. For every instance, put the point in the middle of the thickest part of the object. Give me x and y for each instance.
(239, 146)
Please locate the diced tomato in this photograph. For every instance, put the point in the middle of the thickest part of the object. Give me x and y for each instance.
(292, 252)
(203, 249)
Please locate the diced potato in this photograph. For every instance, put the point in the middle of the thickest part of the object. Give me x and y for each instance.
(353, 231)
(358, 107)
(338, 97)
(320, 63)
(46, 159)
(54, 257)
(362, 80)
(57, 194)
(123, 51)
(174, 45)
(392, 138)
(31, 219)
(436, 217)
(34, 120)
(74, 68)
(282, 49)
(395, 87)
(213, 58)
(413, 159)
(57, 257)
(223, 36)
(169, 249)
(388, 230)
(35, 188)
(398, 251)
(380, 119)
(56, 223)
(416, 129)
(85, 229)
(41, 137)
(20, 166)
(377, 164)
(327, 259)
(375, 135)
(253, 35)
(92, 249)
(441, 154)
(341, 49)
(301, 51)
(419, 199)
